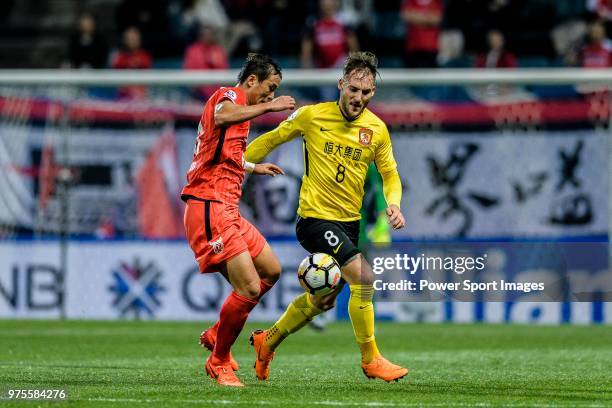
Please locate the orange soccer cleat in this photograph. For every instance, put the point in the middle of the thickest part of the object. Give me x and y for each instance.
(382, 368)
(208, 338)
(263, 354)
(222, 373)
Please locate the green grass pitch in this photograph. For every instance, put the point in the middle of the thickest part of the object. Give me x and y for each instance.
(132, 364)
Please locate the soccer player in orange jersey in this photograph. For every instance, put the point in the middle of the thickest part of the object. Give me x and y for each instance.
(220, 238)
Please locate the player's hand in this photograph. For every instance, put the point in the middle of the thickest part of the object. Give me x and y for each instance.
(396, 219)
(281, 103)
(267, 169)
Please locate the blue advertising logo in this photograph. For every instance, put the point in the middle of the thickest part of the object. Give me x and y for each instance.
(137, 288)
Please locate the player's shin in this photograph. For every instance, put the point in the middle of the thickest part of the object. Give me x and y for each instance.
(233, 315)
(264, 287)
(361, 312)
(298, 314)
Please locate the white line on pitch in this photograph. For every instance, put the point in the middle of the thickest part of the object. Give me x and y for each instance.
(332, 403)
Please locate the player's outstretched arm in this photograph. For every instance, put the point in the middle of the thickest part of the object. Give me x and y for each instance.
(392, 189)
(392, 184)
(288, 130)
(227, 113)
(259, 148)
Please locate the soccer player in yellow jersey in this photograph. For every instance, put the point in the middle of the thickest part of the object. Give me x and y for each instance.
(341, 139)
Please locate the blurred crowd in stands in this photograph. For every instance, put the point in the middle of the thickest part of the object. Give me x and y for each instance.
(217, 34)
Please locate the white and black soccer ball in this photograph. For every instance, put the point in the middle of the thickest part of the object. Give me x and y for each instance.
(319, 274)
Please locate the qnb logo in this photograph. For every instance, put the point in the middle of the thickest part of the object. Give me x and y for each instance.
(137, 288)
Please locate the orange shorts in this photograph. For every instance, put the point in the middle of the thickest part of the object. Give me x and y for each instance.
(217, 232)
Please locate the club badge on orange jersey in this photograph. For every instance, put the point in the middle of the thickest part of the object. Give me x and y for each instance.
(365, 136)
(217, 246)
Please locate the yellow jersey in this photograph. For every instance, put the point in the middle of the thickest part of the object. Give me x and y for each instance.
(337, 154)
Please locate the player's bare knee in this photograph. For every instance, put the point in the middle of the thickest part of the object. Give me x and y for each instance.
(273, 273)
(328, 305)
(251, 290)
(317, 301)
(269, 269)
(321, 303)
(324, 302)
(271, 276)
(367, 276)
(357, 271)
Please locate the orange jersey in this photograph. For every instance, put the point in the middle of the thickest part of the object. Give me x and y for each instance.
(217, 171)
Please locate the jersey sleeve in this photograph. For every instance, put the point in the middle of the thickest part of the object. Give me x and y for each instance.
(387, 167)
(385, 161)
(288, 129)
(230, 95)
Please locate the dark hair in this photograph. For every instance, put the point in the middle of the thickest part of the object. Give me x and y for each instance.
(361, 61)
(262, 66)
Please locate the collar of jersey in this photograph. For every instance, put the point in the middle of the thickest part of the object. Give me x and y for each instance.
(347, 119)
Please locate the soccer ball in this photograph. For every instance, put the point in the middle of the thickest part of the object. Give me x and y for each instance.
(319, 274)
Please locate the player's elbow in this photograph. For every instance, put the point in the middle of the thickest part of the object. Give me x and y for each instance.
(391, 175)
(221, 120)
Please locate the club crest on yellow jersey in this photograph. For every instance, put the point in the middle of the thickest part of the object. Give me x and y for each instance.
(365, 136)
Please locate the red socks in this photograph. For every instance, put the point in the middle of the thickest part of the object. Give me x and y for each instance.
(234, 314)
(264, 287)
